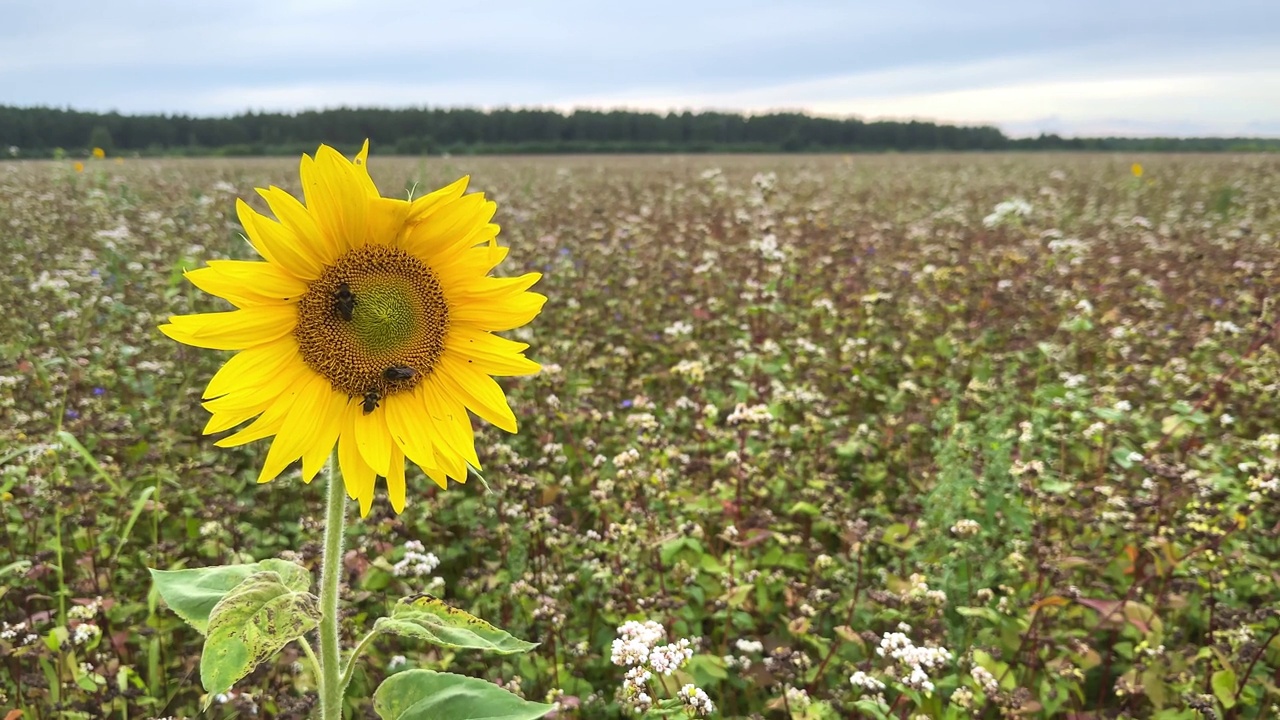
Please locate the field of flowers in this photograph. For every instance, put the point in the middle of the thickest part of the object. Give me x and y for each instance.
(931, 436)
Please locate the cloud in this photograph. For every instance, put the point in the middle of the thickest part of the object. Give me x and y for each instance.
(1024, 66)
(1235, 92)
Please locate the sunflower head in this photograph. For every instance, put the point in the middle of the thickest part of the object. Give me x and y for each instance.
(368, 324)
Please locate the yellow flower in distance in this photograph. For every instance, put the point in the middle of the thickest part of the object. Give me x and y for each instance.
(370, 324)
(99, 153)
(77, 166)
(1136, 169)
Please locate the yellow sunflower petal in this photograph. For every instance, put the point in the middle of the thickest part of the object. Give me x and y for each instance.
(241, 293)
(328, 424)
(429, 203)
(235, 330)
(226, 420)
(336, 198)
(254, 367)
(452, 465)
(452, 422)
(249, 221)
(490, 354)
(290, 246)
(300, 428)
(247, 396)
(481, 235)
(264, 281)
(511, 312)
(362, 171)
(374, 439)
(469, 264)
(395, 480)
(386, 221)
(446, 458)
(479, 392)
(407, 422)
(437, 475)
(490, 289)
(447, 225)
(268, 423)
(357, 476)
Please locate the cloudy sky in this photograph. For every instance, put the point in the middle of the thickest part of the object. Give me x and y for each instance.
(1078, 67)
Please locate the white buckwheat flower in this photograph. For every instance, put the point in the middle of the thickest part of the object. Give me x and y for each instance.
(696, 701)
(669, 658)
(416, 562)
(862, 680)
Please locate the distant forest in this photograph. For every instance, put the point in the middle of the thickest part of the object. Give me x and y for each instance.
(48, 132)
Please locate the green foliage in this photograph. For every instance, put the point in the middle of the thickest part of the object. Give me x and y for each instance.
(428, 695)
(100, 137)
(251, 623)
(193, 593)
(966, 436)
(428, 618)
(417, 131)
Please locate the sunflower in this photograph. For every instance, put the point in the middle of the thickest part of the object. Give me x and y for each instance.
(369, 324)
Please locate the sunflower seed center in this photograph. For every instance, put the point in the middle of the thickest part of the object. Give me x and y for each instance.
(374, 323)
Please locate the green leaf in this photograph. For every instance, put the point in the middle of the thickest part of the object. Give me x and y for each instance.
(1224, 687)
(899, 536)
(775, 557)
(683, 548)
(250, 624)
(18, 567)
(1153, 686)
(192, 593)
(70, 440)
(997, 669)
(1176, 427)
(1121, 457)
(138, 506)
(429, 695)
(429, 618)
(1055, 486)
(292, 575)
(942, 345)
(738, 596)
(988, 614)
(706, 669)
(804, 508)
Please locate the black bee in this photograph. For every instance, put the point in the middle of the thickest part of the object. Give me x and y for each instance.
(371, 399)
(344, 302)
(398, 372)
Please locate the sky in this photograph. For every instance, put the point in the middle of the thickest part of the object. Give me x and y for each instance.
(1074, 67)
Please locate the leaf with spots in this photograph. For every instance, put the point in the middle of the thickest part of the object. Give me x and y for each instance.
(429, 618)
(192, 593)
(251, 623)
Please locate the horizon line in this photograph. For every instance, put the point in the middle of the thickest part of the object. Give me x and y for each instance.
(566, 111)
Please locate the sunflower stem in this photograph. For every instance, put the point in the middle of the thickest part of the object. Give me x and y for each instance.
(350, 667)
(330, 576)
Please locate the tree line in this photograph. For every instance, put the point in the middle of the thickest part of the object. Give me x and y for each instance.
(43, 131)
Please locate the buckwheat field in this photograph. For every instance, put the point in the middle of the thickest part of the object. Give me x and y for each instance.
(930, 436)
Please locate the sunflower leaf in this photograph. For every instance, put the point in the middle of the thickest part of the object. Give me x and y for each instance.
(429, 695)
(429, 618)
(192, 593)
(250, 624)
